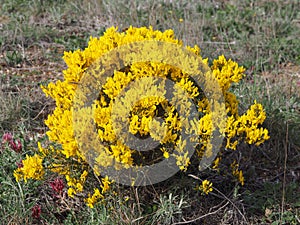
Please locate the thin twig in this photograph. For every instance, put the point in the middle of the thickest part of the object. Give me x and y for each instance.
(224, 196)
(138, 200)
(284, 170)
(137, 219)
(297, 219)
(40, 112)
(219, 43)
(201, 217)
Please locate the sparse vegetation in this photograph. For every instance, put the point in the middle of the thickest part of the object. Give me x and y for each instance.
(260, 35)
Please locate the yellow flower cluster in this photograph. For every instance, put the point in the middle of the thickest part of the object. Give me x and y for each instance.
(32, 168)
(237, 173)
(226, 72)
(76, 185)
(206, 187)
(94, 198)
(247, 127)
(141, 111)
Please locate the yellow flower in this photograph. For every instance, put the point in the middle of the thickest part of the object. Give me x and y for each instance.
(227, 71)
(189, 86)
(32, 168)
(216, 163)
(237, 173)
(18, 175)
(182, 161)
(79, 187)
(166, 155)
(91, 200)
(83, 176)
(105, 184)
(71, 192)
(42, 150)
(241, 177)
(206, 187)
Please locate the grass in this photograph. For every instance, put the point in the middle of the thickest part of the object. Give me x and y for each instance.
(261, 35)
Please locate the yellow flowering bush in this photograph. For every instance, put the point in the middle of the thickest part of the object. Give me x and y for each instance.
(149, 117)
